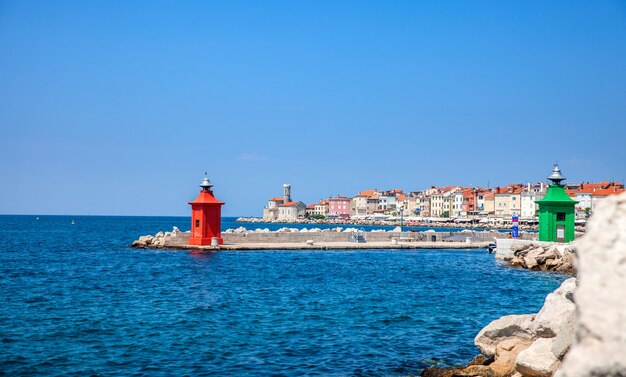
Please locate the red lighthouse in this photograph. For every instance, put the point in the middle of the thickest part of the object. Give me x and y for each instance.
(206, 217)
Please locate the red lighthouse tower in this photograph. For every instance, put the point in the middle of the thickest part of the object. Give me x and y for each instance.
(206, 216)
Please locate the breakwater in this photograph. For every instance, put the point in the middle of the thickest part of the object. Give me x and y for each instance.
(293, 238)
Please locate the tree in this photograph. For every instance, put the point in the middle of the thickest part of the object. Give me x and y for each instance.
(445, 214)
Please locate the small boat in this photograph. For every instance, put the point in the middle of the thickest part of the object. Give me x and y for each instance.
(73, 222)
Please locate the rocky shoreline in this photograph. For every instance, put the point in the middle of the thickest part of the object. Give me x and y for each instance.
(554, 258)
(523, 345)
(580, 330)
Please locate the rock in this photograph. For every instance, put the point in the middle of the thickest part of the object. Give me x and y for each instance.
(480, 360)
(506, 353)
(565, 336)
(159, 235)
(538, 359)
(158, 242)
(146, 240)
(556, 308)
(517, 247)
(530, 262)
(600, 346)
(511, 326)
(175, 230)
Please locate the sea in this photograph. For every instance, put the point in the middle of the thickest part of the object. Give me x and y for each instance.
(77, 300)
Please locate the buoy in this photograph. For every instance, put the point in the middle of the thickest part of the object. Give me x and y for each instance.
(73, 222)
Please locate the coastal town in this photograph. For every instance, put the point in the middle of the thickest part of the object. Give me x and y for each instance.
(439, 204)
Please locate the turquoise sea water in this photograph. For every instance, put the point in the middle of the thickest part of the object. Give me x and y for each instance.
(76, 300)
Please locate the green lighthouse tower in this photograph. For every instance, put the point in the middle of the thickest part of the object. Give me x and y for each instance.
(556, 211)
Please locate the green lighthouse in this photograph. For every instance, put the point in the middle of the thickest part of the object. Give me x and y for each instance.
(556, 211)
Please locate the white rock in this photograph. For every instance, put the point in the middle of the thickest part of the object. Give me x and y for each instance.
(158, 242)
(565, 336)
(147, 240)
(510, 326)
(159, 235)
(537, 360)
(557, 307)
(304, 230)
(175, 230)
(600, 346)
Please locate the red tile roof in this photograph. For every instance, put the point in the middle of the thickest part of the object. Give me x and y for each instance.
(277, 200)
(288, 204)
(366, 193)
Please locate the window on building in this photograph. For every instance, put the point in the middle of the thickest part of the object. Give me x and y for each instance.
(560, 216)
(197, 223)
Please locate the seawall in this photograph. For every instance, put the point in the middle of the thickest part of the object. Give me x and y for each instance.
(328, 239)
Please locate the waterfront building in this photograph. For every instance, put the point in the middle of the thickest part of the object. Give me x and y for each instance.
(480, 200)
(364, 203)
(321, 208)
(508, 201)
(489, 203)
(411, 203)
(556, 211)
(442, 201)
(529, 196)
(291, 211)
(589, 195)
(206, 217)
(310, 210)
(387, 201)
(270, 212)
(339, 207)
(456, 204)
(284, 209)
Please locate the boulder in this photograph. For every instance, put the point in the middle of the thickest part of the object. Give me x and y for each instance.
(158, 242)
(146, 240)
(599, 348)
(565, 336)
(538, 359)
(520, 248)
(510, 326)
(557, 307)
(159, 235)
(506, 354)
(530, 262)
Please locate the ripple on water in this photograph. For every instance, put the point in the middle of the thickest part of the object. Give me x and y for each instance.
(77, 301)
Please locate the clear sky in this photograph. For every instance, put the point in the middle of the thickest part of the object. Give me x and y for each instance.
(119, 107)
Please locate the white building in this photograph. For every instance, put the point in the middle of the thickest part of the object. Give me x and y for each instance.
(530, 194)
(284, 209)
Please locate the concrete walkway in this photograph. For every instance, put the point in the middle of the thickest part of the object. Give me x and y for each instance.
(339, 246)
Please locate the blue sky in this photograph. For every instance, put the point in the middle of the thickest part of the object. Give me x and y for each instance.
(117, 107)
